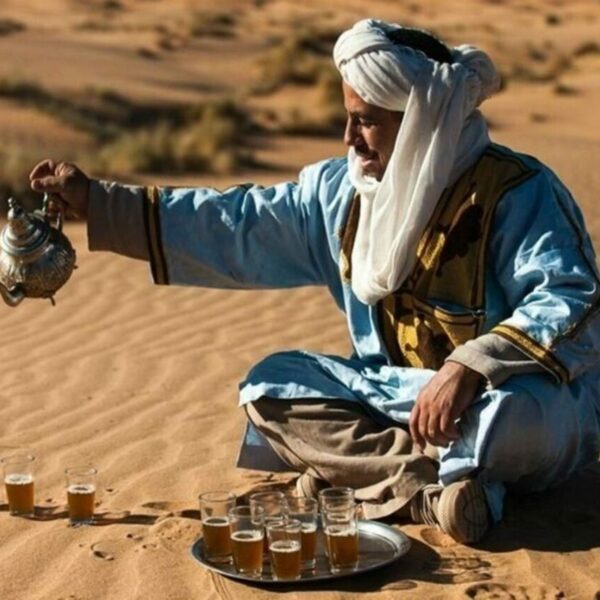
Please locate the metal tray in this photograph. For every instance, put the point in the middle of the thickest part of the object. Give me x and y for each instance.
(378, 545)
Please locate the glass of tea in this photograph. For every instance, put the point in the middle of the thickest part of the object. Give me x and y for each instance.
(306, 511)
(275, 507)
(81, 494)
(18, 481)
(247, 533)
(214, 511)
(341, 536)
(285, 548)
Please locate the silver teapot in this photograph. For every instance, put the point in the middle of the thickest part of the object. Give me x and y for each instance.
(36, 258)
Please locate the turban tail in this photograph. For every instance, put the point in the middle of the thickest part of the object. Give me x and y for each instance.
(442, 134)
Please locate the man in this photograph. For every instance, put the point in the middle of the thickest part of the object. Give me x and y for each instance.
(464, 270)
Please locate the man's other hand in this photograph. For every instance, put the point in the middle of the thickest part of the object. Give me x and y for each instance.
(441, 402)
(65, 183)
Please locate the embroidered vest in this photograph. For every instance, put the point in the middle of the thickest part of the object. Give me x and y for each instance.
(442, 303)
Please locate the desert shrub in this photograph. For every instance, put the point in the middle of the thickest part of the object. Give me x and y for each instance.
(587, 48)
(212, 24)
(302, 59)
(548, 69)
(148, 53)
(85, 114)
(327, 118)
(562, 89)
(8, 26)
(213, 139)
(104, 114)
(94, 25)
(553, 19)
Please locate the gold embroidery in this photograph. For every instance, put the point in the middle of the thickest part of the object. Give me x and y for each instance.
(533, 349)
(158, 263)
(441, 305)
(347, 235)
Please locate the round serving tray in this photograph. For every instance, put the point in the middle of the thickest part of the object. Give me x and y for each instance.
(378, 545)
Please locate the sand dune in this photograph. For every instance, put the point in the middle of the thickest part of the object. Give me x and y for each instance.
(142, 380)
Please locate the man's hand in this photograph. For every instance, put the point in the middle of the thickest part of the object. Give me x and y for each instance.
(441, 402)
(65, 183)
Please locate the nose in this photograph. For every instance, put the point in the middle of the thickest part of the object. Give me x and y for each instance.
(350, 132)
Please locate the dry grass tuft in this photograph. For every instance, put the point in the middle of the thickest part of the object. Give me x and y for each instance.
(562, 89)
(304, 59)
(542, 67)
(553, 19)
(220, 24)
(8, 26)
(213, 139)
(139, 138)
(587, 48)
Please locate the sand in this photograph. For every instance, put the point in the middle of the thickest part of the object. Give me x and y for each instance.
(142, 380)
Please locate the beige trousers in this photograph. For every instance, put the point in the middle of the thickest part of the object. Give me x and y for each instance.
(336, 441)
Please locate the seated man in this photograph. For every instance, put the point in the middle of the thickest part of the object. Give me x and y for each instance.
(464, 270)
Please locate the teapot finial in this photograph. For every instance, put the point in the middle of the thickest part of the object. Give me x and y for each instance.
(23, 233)
(20, 225)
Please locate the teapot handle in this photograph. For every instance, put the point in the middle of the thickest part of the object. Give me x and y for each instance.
(58, 222)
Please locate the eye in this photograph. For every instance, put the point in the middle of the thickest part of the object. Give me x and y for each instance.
(363, 122)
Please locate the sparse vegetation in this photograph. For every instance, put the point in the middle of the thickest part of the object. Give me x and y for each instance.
(541, 68)
(553, 19)
(562, 89)
(212, 24)
(214, 139)
(8, 26)
(304, 59)
(587, 48)
(135, 138)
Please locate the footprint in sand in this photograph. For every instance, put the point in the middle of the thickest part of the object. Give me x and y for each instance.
(101, 551)
(459, 569)
(173, 532)
(497, 591)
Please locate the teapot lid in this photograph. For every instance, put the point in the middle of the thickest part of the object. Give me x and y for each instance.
(23, 233)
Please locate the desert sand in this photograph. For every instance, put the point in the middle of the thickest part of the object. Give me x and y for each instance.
(142, 380)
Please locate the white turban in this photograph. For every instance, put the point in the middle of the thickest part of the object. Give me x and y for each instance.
(441, 135)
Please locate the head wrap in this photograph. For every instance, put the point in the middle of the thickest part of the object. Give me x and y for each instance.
(441, 135)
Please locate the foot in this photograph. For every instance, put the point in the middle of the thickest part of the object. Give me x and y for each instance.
(460, 510)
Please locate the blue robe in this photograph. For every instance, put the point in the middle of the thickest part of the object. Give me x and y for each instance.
(541, 285)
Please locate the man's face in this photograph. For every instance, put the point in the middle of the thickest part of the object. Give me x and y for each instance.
(371, 130)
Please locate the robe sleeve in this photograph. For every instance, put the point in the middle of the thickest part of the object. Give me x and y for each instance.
(545, 264)
(494, 358)
(247, 236)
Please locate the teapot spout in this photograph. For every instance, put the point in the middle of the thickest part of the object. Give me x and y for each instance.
(13, 296)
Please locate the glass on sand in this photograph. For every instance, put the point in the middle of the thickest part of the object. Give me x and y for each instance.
(81, 494)
(284, 548)
(247, 533)
(341, 535)
(214, 512)
(306, 511)
(18, 481)
(275, 506)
